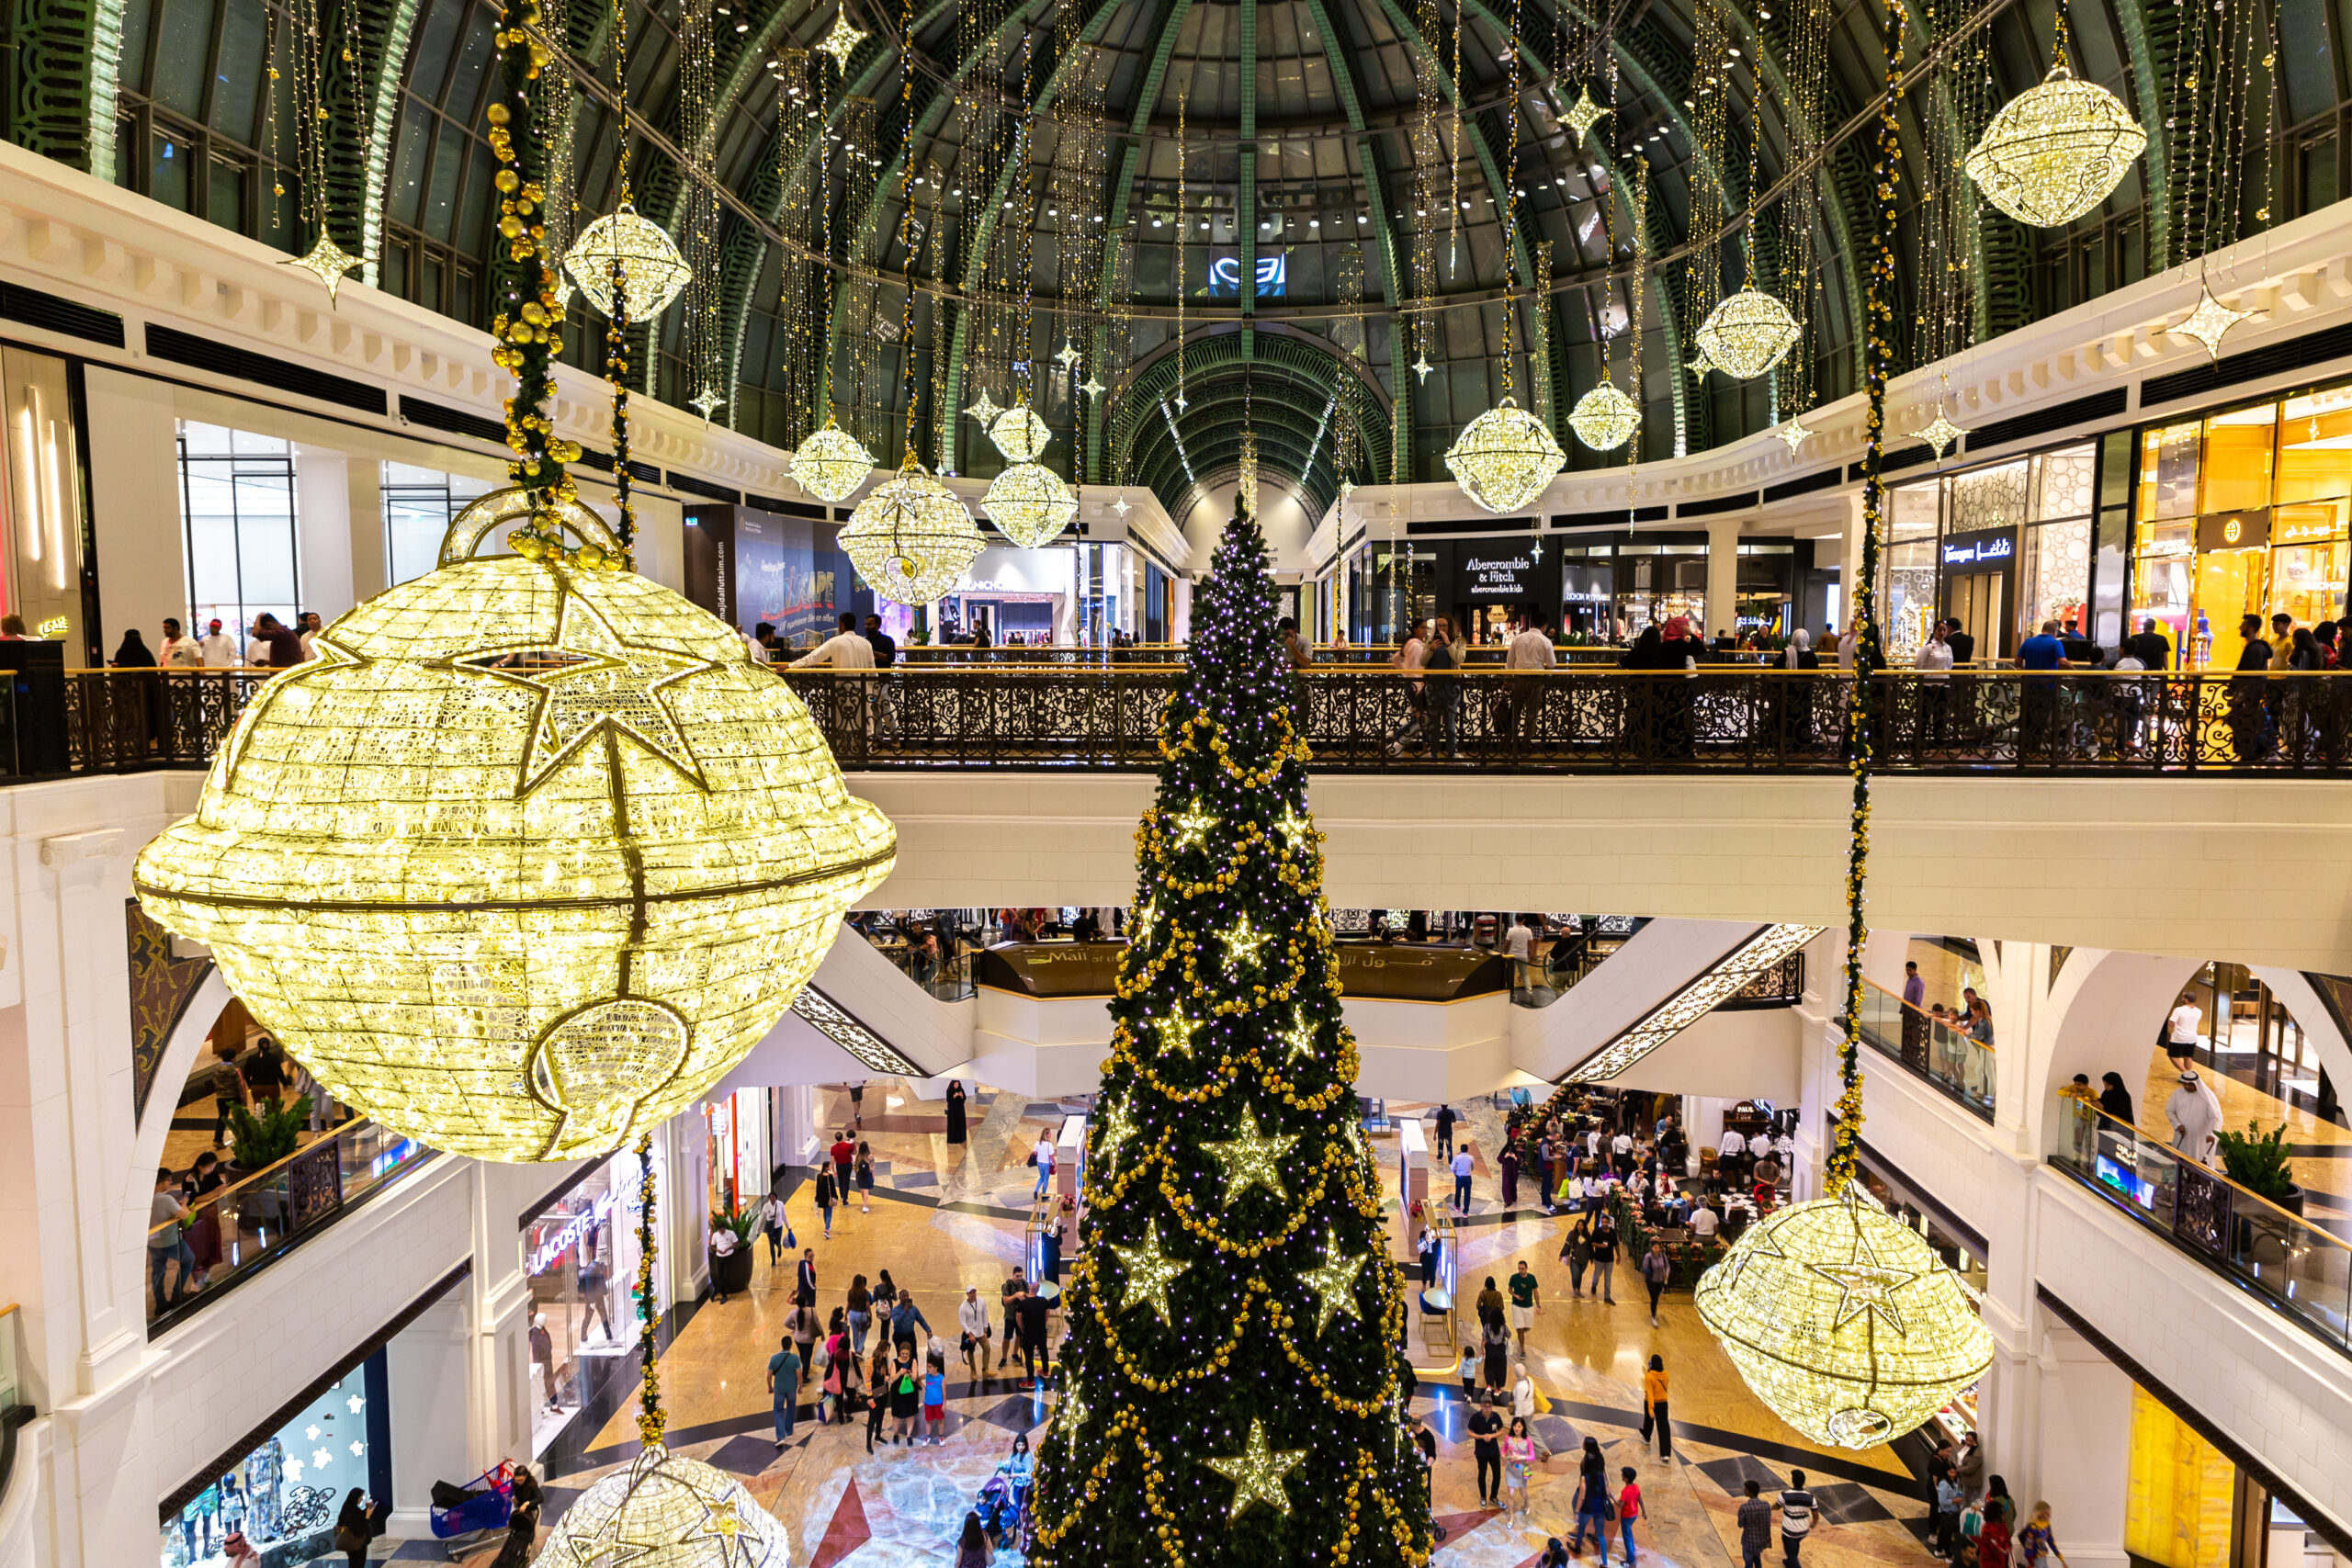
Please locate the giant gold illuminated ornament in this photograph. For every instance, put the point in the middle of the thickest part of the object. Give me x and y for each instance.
(2055, 150)
(1504, 459)
(831, 463)
(651, 269)
(1604, 418)
(527, 857)
(1747, 335)
(1844, 1321)
(911, 539)
(1029, 501)
(664, 1510)
(1019, 434)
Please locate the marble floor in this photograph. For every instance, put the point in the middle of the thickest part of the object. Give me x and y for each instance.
(945, 1217)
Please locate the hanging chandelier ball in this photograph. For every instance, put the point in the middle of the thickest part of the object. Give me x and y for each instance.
(1605, 418)
(527, 858)
(831, 463)
(1019, 434)
(651, 269)
(1748, 334)
(911, 539)
(1844, 1321)
(1504, 459)
(664, 1510)
(2055, 150)
(1030, 502)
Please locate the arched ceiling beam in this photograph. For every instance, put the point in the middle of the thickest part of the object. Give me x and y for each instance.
(1288, 444)
(2147, 91)
(1283, 354)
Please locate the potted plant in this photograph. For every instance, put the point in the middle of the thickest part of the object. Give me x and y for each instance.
(732, 1275)
(2259, 1162)
(267, 1132)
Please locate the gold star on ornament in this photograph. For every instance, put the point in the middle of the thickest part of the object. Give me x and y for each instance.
(1795, 433)
(1069, 356)
(1122, 506)
(327, 261)
(1869, 1286)
(1755, 1245)
(984, 408)
(1335, 1282)
(1116, 1129)
(1193, 826)
(1583, 114)
(1300, 1037)
(2211, 321)
(1176, 1033)
(841, 42)
(705, 402)
(1149, 1272)
(723, 1521)
(1421, 366)
(597, 685)
(1938, 432)
(1251, 1159)
(1257, 1472)
(1242, 943)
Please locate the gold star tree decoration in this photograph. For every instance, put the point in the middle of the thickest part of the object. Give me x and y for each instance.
(1231, 1263)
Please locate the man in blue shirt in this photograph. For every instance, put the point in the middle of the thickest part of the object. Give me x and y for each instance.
(2039, 707)
(784, 1383)
(2043, 650)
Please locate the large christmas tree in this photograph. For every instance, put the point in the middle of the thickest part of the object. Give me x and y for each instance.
(1230, 1392)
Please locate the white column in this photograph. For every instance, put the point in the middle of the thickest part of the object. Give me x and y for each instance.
(135, 504)
(796, 1122)
(1849, 559)
(2085, 1449)
(428, 1372)
(323, 530)
(364, 499)
(1722, 574)
(687, 1198)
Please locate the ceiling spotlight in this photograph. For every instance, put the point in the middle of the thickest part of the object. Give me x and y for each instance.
(1155, 222)
(1361, 219)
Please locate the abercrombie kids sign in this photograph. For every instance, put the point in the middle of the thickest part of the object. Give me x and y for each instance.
(1509, 574)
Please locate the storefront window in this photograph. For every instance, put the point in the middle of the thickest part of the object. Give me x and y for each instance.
(2055, 579)
(580, 1257)
(2168, 471)
(290, 1489)
(737, 1125)
(1587, 592)
(2237, 459)
(1909, 588)
(2315, 447)
(1657, 583)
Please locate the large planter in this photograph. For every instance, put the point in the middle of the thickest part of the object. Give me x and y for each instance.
(732, 1275)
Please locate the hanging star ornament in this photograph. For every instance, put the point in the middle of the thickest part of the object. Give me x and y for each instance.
(1334, 1281)
(1795, 433)
(1421, 366)
(1122, 506)
(1583, 114)
(984, 408)
(1257, 1472)
(2211, 321)
(1243, 942)
(590, 682)
(1151, 1270)
(841, 42)
(1938, 432)
(327, 261)
(707, 402)
(1181, 404)
(1092, 387)
(1069, 356)
(1251, 1159)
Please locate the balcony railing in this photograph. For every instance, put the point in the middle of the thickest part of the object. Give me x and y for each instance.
(2302, 1269)
(1719, 718)
(1954, 1060)
(1722, 717)
(247, 1224)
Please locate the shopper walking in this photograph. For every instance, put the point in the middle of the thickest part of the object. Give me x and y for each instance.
(972, 1321)
(1629, 1508)
(1444, 1131)
(1796, 1517)
(1462, 1178)
(1755, 1518)
(1654, 1408)
(828, 1194)
(1654, 1271)
(1992, 1537)
(166, 1239)
(861, 1313)
(1494, 1336)
(772, 1223)
(1519, 1453)
(1036, 1361)
(955, 1134)
(1526, 1295)
(1604, 1257)
(865, 1177)
(784, 1389)
(1593, 1505)
(2038, 1541)
(802, 1324)
(877, 1406)
(1485, 1426)
(1009, 1296)
(904, 1316)
(1576, 1251)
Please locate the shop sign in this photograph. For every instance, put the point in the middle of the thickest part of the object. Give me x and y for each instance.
(2307, 530)
(545, 1255)
(1504, 576)
(2232, 530)
(1991, 550)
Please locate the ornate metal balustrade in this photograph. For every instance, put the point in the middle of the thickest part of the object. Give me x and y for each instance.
(1722, 717)
(1733, 718)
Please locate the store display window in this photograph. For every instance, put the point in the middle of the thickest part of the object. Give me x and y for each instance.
(283, 1496)
(580, 1257)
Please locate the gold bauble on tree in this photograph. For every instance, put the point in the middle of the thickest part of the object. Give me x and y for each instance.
(1504, 459)
(1030, 503)
(653, 272)
(1844, 1321)
(911, 539)
(527, 857)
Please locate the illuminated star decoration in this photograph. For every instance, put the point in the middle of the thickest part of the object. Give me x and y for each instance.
(1193, 826)
(1176, 1033)
(1070, 1414)
(1181, 404)
(1300, 1037)
(1795, 433)
(721, 1522)
(1116, 1129)
(1583, 114)
(604, 684)
(327, 261)
(1250, 1159)
(1149, 1272)
(1122, 506)
(1257, 1472)
(1335, 1282)
(705, 402)
(1421, 366)
(984, 408)
(1069, 356)
(1147, 917)
(1242, 943)
(1293, 826)
(1869, 1286)
(1938, 432)
(2211, 321)
(841, 42)
(1764, 1245)
(1092, 387)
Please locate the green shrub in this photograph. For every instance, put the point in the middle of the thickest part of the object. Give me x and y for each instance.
(269, 1132)
(2257, 1161)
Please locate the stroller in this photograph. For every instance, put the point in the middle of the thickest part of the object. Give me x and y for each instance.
(1003, 1508)
(468, 1516)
